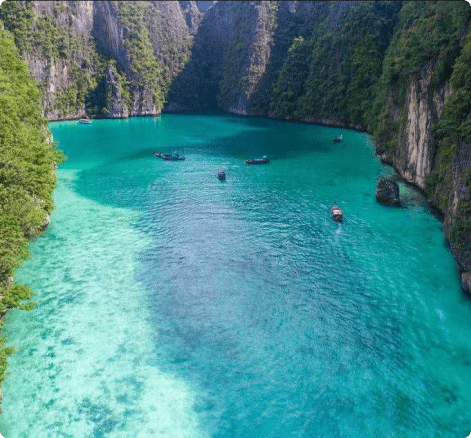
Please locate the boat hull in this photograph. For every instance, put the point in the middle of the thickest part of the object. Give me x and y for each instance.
(169, 157)
(337, 213)
(256, 161)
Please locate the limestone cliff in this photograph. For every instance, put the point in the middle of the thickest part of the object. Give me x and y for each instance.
(103, 58)
(440, 169)
(414, 153)
(423, 130)
(383, 67)
(27, 158)
(239, 49)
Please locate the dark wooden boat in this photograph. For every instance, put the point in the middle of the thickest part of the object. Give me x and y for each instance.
(263, 160)
(174, 157)
(338, 139)
(337, 213)
(222, 174)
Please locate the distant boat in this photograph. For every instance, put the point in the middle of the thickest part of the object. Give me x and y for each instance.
(85, 121)
(174, 157)
(263, 160)
(222, 174)
(337, 213)
(338, 139)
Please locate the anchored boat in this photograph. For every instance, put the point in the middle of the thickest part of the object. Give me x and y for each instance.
(337, 213)
(174, 157)
(222, 174)
(263, 160)
(85, 120)
(338, 139)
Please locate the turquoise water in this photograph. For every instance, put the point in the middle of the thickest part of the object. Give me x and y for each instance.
(172, 304)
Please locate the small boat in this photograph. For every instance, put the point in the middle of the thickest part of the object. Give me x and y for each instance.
(338, 139)
(174, 157)
(337, 213)
(222, 174)
(86, 121)
(263, 160)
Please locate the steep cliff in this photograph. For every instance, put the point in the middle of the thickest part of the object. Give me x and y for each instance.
(197, 87)
(193, 15)
(423, 110)
(449, 183)
(103, 58)
(390, 68)
(311, 60)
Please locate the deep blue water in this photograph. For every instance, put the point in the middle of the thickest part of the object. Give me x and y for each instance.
(172, 304)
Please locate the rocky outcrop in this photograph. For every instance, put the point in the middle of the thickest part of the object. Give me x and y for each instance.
(383, 67)
(416, 157)
(387, 192)
(192, 14)
(117, 102)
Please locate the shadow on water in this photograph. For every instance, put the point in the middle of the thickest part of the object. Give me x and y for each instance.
(258, 137)
(283, 322)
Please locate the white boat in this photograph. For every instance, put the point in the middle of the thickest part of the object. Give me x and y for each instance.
(337, 213)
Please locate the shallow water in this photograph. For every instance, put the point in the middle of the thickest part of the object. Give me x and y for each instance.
(172, 304)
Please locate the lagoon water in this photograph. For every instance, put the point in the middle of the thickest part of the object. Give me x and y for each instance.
(172, 304)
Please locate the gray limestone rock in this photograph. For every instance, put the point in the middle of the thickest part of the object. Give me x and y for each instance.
(387, 192)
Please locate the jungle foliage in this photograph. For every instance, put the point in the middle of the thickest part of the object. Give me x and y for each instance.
(154, 55)
(58, 45)
(333, 73)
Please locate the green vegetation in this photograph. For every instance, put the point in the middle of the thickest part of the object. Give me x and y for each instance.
(122, 86)
(236, 56)
(144, 66)
(147, 29)
(427, 38)
(454, 126)
(333, 74)
(53, 39)
(42, 34)
(428, 32)
(27, 160)
(452, 131)
(460, 235)
(291, 79)
(58, 45)
(246, 57)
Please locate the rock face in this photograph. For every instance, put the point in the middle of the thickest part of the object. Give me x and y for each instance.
(387, 192)
(117, 105)
(466, 282)
(68, 46)
(239, 49)
(382, 67)
(193, 15)
(422, 108)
